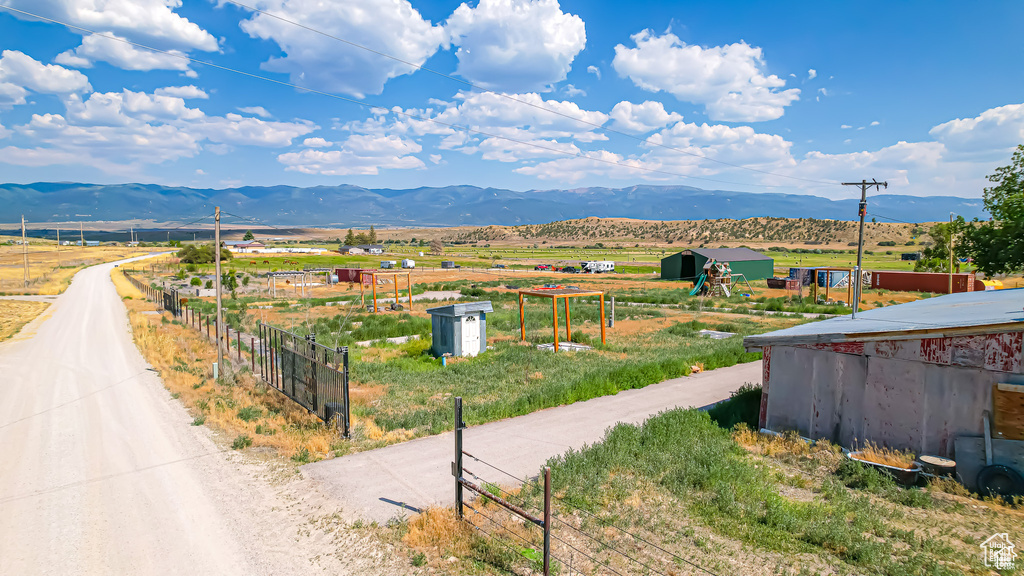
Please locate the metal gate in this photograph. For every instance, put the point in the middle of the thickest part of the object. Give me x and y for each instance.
(311, 374)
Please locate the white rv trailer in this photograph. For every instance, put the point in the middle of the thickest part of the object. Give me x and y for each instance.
(387, 263)
(598, 266)
(407, 263)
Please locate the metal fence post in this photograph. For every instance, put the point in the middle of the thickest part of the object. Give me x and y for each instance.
(457, 465)
(252, 348)
(547, 521)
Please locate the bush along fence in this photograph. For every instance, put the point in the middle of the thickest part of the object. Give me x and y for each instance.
(310, 374)
(510, 518)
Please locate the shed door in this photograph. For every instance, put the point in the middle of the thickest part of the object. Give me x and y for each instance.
(470, 335)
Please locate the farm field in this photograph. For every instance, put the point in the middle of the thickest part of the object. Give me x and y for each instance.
(14, 314)
(45, 275)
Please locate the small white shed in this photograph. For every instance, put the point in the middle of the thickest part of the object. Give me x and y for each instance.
(460, 329)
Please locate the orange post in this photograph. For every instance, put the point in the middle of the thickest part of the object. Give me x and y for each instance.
(395, 278)
(408, 281)
(568, 324)
(602, 318)
(374, 286)
(522, 319)
(554, 317)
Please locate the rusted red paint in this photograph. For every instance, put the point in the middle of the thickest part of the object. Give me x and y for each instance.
(936, 350)
(840, 347)
(888, 348)
(766, 365)
(1003, 351)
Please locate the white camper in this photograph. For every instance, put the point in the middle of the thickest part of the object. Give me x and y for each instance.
(407, 263)
(388, 263)
(598, 266)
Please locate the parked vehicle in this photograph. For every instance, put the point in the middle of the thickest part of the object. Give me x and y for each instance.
(570, 270)
(387, 264)
(499, 266)
(448, 265)
(598, 266)
(542, 267)
(407, 263)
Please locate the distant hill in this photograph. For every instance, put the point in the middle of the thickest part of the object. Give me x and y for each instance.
(764, 231)
(447, 206)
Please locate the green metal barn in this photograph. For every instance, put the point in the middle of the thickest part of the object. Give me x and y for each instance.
(688, 264)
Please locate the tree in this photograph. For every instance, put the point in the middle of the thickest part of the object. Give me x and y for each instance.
(436, 247)
(204, 254)
(997, 246)
(228, 281)
(372, 236)
(248, 236)
(935, 257)
(350, 238)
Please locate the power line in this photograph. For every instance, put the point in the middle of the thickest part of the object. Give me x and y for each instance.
(520, 101)
(379, 107)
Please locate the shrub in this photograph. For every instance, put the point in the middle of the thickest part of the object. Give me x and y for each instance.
(242, 441)
(196, 281)
(743, 406)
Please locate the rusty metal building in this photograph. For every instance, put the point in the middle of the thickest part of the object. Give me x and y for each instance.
(916, 376)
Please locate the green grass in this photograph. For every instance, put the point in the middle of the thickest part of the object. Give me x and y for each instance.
(707, 476)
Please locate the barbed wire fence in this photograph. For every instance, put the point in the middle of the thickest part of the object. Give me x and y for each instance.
(512, 520)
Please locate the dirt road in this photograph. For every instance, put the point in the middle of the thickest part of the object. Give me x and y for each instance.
(102, 472)
(399, 479)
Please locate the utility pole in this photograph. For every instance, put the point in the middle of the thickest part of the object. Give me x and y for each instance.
(950, 253)
(863, 210)
(81, 232)
(216, 251)
(24, 248)
(58, 246)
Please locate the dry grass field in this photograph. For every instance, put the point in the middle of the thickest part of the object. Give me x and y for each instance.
(237, 405)
(45, 275)
(14, 314)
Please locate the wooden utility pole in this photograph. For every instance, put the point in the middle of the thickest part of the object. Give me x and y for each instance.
(950, 253)
(24, 248)
(58, 246)
(81, 232)
(863, 210)
(216, 252)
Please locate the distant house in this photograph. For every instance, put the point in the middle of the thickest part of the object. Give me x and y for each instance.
(351, 250)
(372, 248)
(910, 256)
(245, 246)
(688, 264)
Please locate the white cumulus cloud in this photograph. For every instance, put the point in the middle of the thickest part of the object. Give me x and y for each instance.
(316, 143)
(359, 154)
(595, 71)
(728, 80)
(96, 48)
(257, 110)
(20, 73)
(154, 20)
(516, 45)
(641, 118)
(812, 74)
(186, 92)
(393, 27)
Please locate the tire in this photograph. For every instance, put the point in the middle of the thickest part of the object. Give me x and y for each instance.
(999, 480)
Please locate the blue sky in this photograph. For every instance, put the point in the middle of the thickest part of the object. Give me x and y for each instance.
(926, 95)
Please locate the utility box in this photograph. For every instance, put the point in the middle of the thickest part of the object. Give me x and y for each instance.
(459, 329)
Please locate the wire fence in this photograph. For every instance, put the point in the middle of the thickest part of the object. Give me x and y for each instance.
(310, 374)
(510, 518)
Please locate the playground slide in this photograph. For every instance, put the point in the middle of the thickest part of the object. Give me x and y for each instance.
(700, 283)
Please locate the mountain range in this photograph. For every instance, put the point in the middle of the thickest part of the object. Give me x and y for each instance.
(348, 205)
